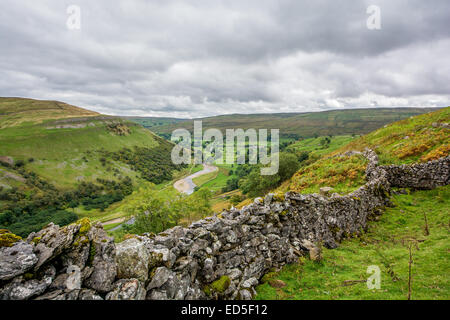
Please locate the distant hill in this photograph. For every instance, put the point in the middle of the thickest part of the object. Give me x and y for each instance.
(15, 111)
(64, 141)
(295, 125)
(150, 122)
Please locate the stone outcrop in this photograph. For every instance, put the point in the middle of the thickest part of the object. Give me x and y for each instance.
(219, 257)
(16, 260)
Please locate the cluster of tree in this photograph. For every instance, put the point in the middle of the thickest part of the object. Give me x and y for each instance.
(256, 184)
(239, 173)
(33, 222)
(99, 196)
(236, 199)
(154, 211)
(153, 164)
(24, 211)
(166, 136)
(285, 144)
(252, 183)
(293, 136)
(325, 142)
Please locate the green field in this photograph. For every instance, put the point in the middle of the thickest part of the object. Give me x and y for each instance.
(149, 122)
(314, 147)
(215, 181)
(343, 271)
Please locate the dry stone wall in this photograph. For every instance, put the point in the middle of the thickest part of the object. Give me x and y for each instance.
(420, 176)
(219, 257)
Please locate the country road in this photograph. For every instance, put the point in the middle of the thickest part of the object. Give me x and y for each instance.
(186, 185)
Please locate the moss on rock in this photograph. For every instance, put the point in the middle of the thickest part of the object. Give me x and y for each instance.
(92, 253)
(221, 284)
(217, 287)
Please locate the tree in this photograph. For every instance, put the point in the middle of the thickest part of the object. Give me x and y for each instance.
(254, 184)
(303, 156)
(288, 165)
(156, 212)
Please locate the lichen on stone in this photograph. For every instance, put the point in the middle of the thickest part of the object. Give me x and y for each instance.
(279, 196)
(36, 240)
(7, 239)
(85, 225)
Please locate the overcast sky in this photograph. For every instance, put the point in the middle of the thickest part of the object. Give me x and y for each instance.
(200, 58)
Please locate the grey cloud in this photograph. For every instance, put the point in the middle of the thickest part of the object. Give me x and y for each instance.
(201, 58)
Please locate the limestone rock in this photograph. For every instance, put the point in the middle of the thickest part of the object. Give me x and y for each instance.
(157, 295)
(127, 289)
(102, 258)
(28, 289)
(16, 260)
(51, 241)
(79, 252)
(325, 191)
(162, 274)
(132, 260)
(88, 294)
(245, 294)
(73, 280)
(315, 253)
(249, 283)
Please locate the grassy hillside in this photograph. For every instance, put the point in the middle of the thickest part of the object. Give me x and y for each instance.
(15, 111)
(342, 273)
(417, 139)
(316, 147)
(343, 174)
(56, 159)
(295, 125)
(67, 149)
